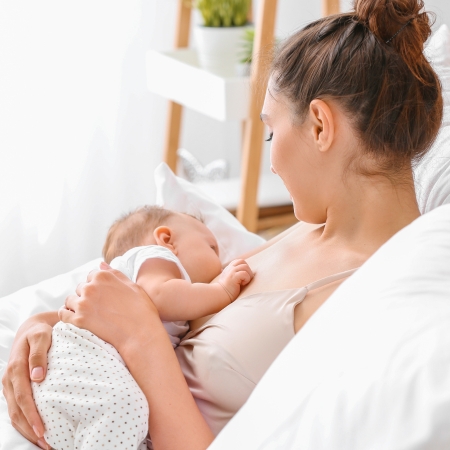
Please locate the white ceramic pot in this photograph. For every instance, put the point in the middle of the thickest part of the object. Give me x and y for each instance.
(218, 48)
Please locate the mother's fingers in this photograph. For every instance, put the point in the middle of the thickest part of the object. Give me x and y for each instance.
(66, 315)
(91, 274)
(80, 287)
(21, 407)
(39, 343)
(18, 420)
(71, 302)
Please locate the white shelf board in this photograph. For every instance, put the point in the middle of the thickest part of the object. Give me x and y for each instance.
(271, 192)
(177, 76)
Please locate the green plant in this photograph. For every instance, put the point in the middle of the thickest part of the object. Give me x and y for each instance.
(246, 49)
(223, 13)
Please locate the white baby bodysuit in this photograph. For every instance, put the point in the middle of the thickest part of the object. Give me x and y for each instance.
(89, 400)
(131, 262)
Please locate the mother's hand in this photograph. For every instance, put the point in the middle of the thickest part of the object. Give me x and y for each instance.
(111, 306)
(28, 360)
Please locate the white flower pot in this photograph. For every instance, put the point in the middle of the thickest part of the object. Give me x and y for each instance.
(218, 48)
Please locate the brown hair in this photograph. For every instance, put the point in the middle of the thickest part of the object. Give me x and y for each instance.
(131, 229)
(371, 62)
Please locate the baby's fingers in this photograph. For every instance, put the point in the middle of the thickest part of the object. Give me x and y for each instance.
(244, 267)
(237, 262)
(243, 277)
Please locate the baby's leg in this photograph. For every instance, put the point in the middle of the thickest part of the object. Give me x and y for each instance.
(89, 400)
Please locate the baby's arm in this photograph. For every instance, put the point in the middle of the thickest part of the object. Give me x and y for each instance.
(177, 299)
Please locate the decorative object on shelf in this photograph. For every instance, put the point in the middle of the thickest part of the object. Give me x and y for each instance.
(195, 172)
(217, 39)
(245, 52)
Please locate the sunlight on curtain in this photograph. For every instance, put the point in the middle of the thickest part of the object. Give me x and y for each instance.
(75, 132)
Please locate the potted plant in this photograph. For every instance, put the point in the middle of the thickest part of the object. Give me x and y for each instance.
(246, 52)
(217, 38)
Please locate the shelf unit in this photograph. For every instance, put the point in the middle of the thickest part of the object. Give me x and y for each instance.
(179, 79)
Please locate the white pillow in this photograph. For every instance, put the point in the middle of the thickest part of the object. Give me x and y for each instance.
(371, 368)
(432, 174)
(179, 195)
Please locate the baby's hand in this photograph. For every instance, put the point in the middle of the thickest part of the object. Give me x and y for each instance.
(235, 275)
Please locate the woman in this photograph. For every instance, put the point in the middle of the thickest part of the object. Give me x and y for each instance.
(351, 104)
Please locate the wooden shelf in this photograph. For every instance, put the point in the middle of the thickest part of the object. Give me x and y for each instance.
(275, 207)
(271, 192)
(177, 76)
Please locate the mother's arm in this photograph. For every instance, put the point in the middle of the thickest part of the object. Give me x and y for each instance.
(120, 312)
(28, 361)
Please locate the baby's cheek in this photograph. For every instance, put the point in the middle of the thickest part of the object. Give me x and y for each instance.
(214, 269)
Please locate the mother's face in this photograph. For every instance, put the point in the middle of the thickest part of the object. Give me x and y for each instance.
(294, 156)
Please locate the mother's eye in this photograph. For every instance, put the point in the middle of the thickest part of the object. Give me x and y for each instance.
(269, 138)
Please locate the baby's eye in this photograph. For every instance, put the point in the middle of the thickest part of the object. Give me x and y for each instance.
(270, 137)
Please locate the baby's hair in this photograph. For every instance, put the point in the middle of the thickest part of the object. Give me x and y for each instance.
(131, 229)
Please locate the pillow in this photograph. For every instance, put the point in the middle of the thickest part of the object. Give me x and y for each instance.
(371, 368)
(179, 195)
(432, 174)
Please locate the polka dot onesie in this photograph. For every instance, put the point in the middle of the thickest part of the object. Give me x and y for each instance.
(89, 400)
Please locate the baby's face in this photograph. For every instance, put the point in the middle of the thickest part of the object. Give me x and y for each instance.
(197, 249)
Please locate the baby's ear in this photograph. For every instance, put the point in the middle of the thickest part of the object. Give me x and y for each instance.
(164, 236)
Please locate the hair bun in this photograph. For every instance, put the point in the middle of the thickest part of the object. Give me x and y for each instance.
(400, 23)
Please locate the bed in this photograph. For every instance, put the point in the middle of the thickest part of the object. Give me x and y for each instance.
(371, 369)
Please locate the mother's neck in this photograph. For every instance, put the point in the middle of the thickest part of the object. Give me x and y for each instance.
(370, 210)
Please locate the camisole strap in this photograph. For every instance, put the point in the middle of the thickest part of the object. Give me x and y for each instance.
(330, 279)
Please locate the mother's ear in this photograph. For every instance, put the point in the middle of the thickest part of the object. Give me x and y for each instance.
(164, 236)
(323, 124)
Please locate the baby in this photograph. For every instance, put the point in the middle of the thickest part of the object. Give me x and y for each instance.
(88, 399)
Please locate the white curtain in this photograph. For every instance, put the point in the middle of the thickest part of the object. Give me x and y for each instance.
(79, 133)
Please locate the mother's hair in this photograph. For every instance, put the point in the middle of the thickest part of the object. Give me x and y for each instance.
(371, 62)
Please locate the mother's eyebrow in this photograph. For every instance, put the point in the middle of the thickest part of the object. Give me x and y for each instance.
(263, 117)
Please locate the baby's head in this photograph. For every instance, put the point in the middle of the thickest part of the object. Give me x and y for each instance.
(187, 237)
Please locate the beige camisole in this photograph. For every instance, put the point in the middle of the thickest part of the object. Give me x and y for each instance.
(224, 359)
